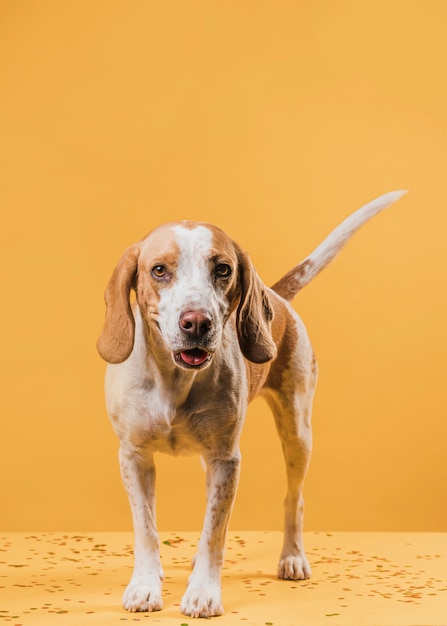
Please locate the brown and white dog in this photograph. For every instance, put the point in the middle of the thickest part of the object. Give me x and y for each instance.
(204, 337)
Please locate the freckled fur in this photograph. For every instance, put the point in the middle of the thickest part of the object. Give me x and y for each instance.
(256, 344)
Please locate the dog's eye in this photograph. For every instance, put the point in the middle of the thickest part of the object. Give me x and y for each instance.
(158, 271)
(223, 270)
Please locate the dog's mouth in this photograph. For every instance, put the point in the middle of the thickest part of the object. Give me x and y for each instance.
(195, 358)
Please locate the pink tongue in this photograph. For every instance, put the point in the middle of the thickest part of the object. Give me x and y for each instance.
(194, 357)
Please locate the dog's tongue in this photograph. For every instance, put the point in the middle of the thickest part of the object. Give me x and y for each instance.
(195, 356)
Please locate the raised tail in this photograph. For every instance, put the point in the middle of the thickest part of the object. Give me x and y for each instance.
(298, 277)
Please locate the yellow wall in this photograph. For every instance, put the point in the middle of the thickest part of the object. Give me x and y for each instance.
(274, 120)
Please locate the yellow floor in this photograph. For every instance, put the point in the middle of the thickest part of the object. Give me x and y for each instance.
(363, 579)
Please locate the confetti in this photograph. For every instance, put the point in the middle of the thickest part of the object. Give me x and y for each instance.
(58, 577)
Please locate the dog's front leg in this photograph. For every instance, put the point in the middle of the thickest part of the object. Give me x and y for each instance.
(203, 597)
(144, 590)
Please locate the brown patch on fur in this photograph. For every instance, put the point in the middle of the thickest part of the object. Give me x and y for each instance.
(286, 336)
(116, 340)
(290, 284)
(158, 248)
(254, 314)
(247, 294)
(224, 251)
(133, 271)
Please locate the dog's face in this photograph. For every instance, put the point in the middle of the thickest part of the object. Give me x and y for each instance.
(188, 278)
(188, 286)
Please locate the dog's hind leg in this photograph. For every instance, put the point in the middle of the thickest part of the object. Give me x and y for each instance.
(292, 412)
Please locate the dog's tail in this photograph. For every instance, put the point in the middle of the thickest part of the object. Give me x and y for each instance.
(298, 277)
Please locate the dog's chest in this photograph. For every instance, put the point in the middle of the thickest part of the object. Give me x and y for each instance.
(201, 423)
(172, 434)
(190, 427)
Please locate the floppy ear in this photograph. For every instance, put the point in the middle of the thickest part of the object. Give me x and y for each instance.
(116, 341)
(254, 315)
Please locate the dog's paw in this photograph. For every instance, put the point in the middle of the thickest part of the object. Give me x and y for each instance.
(204, 601)
(142, 596)
(294, 568)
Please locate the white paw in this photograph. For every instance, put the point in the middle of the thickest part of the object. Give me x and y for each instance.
(203, 601)
(142, 596)
(294, 568)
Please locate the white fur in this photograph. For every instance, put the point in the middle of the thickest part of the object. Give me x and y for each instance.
(192, 288)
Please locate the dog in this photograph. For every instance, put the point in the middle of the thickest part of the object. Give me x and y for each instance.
(202, 338)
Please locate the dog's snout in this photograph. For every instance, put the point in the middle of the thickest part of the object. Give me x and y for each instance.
(195, 324)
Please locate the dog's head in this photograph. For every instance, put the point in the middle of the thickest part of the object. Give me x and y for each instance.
(188, 278)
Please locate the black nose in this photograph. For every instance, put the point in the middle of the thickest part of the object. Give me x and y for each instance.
(195, 324)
